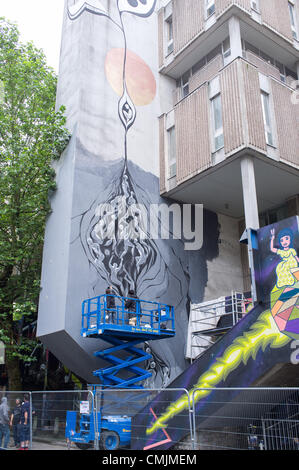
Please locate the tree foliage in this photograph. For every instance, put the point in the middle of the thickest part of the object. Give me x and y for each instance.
(32, 134)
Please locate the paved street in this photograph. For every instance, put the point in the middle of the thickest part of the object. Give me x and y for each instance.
(47, 444)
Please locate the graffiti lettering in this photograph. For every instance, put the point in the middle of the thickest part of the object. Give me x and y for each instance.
(294, 359)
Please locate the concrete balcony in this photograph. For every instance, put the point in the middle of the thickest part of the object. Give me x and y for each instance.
(194, 32)
(213, 178)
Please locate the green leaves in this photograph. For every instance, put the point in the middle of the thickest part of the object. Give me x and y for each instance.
(32, 134)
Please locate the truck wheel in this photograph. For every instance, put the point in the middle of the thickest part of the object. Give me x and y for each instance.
(110, 440)
(83, 446)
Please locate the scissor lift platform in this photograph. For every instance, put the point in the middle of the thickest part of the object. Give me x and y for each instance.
(153, 320)
(108, 318)
(125, 328)
(130, 333)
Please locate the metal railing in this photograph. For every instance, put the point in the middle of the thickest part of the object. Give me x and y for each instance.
(140, 405)
(98, 311)
(216, 317)
(246, 418)
(50, 415)
(213, 418)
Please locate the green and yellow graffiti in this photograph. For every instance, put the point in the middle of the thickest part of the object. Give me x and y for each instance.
(263, 333)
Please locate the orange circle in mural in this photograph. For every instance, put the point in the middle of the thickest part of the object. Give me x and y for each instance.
(141, 83)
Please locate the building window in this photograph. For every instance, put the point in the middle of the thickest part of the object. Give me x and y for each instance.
(171, 151)
(222, 49)
(273, 216)
(214, 52)
(169, 33)
(226, 48)
(185, 84)
(168, 29)
(293, 19)
(255, 5)
(267, 117)
(217, 122)
(210, 7)
(283, 70)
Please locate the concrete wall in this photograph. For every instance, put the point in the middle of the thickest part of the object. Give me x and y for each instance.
(103, 162)
(188, 20)
(275, 14)
(193, 147)
(225, 272)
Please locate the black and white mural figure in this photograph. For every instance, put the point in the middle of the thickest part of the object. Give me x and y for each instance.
(109, 184)
(113, 242)
(114, 231)
(116, 240)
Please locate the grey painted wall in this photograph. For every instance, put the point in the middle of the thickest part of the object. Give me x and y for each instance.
(93, 171)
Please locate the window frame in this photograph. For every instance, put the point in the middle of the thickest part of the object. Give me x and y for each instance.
(268, 123)
(171, 153)
(169, 34)
(257, 5)
(226, 52)
(185, 85)
(210, 8)
(218, 134)
(282, 68)
(293, 19)
(168, 30)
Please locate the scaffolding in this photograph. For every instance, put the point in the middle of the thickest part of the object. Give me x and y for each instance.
(210, 320)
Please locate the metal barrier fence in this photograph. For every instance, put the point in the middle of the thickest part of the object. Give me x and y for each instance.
(50, 416)
(216, 419)
(60, 419)
(47, 422)
(142, 403)
(246, 418)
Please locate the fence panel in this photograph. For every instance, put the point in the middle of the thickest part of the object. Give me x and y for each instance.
(108, 419)
(246, 418)
(137, 410)
(216, 419)
(57, 416)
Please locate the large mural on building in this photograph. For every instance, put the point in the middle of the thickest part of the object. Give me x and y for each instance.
(124, 257)
(113, 170)
(259, 341)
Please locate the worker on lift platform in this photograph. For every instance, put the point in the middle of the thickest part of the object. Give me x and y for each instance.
(110, 304)
(131, 306)
(113, 313)
(119, 321)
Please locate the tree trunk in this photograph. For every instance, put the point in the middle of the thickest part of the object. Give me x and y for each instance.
(14, 376)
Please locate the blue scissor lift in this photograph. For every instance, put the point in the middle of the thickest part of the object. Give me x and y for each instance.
(123, 329)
